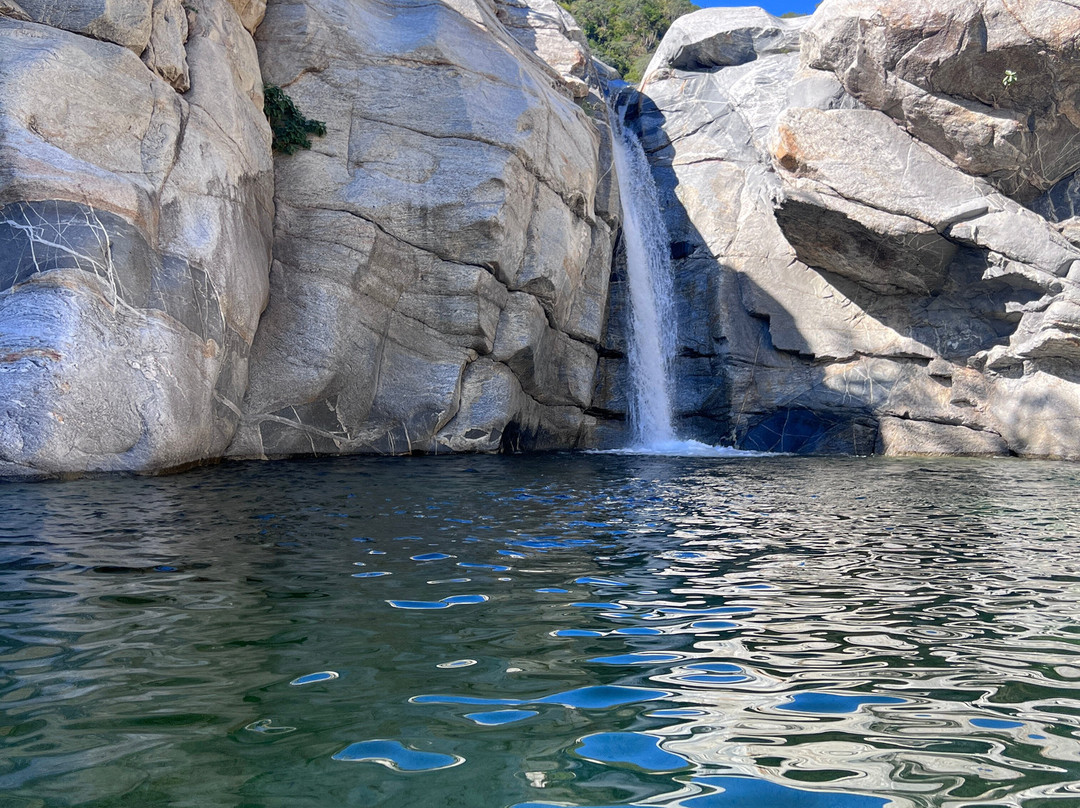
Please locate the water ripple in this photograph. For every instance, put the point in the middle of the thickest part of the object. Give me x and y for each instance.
(445, 603)
(312, 678)
(697, 632)
(393, 755)
(634, 748)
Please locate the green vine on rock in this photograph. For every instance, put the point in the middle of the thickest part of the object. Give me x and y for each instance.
(291, 129)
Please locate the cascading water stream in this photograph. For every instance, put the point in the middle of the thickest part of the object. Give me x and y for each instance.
(652, 332)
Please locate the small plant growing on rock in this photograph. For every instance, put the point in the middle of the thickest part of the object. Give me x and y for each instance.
(1010, 78)
(291, 129)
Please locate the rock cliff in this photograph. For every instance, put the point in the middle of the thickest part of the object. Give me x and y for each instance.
(136, 210)
(431, 276)
(872, 216)
(875, 219)
(441, 256)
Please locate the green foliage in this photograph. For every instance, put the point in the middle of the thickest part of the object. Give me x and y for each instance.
(291, 128)
(1010, 78)
(624, 33)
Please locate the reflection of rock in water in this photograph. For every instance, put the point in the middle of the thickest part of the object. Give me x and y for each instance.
(866, 645)
(819, 629)
(717, 738)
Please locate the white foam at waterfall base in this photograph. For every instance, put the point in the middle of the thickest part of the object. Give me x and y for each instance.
(652, 332)
(684, 448)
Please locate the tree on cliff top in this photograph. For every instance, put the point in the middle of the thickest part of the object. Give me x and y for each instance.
(624, 33)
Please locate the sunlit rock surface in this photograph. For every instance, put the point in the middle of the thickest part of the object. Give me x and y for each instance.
(441, 256)
(124, 22)
(864, 258)
(705, 39)
(940, 67)
(875, 220)
(135, 227)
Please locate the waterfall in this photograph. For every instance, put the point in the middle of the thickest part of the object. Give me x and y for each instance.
(652, 331)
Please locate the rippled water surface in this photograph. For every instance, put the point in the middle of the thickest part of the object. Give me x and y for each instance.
(592, 630)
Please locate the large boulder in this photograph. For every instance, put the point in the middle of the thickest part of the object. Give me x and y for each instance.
(714, 38)
(135, 226)
(548, 30)
(857, 164)
(440, 257)
(850, 281)
(991, 84)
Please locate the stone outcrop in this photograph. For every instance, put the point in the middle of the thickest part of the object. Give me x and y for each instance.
(864, 257)
(548, 30)
(705, 40)
(124, 22)
(875, 220)
(993, 85)
(441, 256)
(165, 53)
(440, 259)
(135, 225)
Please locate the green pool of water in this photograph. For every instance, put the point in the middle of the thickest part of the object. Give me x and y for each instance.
(563, 630)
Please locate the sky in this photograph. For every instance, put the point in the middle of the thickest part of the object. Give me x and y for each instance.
(776, 7)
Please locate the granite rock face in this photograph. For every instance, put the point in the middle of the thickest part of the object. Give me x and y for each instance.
(875, 221)
(991, 84)
(546, 29)
(441, 256)
(863, 257)
(165, 53)
(434, 276)
(123, 22)
(705, 40)
(135, 225)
